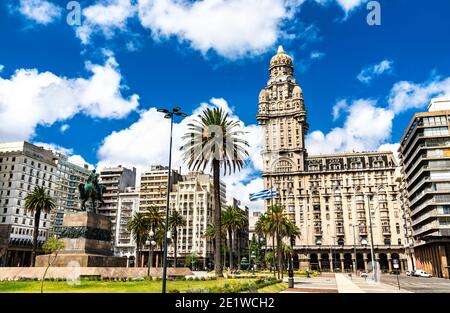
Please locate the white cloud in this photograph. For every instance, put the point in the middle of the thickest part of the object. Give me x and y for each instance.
(146, 141)
(407, 95)
(64, 127)
(107, 18)
(367, 74)
(40, 11)
(233, 28)
(346, 5)
(80, 161)
(30, 98)
(390, 147)
(366, 128)
(338, 107)
(2, 67)
(316, 55)
(349, 5)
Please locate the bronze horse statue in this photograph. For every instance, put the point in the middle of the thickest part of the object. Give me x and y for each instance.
(90, 191)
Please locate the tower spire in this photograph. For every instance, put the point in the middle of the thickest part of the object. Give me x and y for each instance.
(280, 49)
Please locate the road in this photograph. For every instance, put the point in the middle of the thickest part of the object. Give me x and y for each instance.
(419, 284)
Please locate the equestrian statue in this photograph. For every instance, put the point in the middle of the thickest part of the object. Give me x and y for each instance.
(91, 190)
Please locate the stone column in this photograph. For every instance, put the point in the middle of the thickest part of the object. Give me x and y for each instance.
(342, 262)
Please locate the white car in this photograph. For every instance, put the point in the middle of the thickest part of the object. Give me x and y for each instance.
(421, 273)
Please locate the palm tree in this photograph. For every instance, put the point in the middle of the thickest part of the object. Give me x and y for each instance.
(229, 223)
(138, 226)
(262, 229)
(155, 219)
(215, 139)
(210, 234)
(36, 202)
(176, 220)
(281, 227)
(277, 220)
(242, 221)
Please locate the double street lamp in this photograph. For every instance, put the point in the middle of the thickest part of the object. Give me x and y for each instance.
(372, 253)
(150, 243)
(170, 115)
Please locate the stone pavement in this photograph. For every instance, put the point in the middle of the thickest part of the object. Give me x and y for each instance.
(320, 284)
(361, 285)
(339, 283)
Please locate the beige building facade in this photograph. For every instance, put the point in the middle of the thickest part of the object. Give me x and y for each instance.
(329, 197)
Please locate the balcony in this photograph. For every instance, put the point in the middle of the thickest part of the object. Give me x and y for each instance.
(425, 228)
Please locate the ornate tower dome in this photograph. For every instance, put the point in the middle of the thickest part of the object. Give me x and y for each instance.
(281, 59)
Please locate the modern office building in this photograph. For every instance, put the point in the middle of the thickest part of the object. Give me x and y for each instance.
(23, 166)
(67, 196)
(128, 205)
(425, 157)
(332, 198)
(115, 180)
(193, 197)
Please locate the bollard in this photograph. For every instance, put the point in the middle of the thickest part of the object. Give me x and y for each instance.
(291, 278)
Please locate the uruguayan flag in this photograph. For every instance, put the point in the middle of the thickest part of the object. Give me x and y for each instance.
(263, 194)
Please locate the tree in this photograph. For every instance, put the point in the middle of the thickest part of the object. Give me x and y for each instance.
(215, 139)
(155, 218)
(228, 223)
(233, 219)
(210, 234)
(191, 259)
(52, 245)
(138, 226)
(241, 222)
(281, 227)
(262, 229)
(36, 202)
(176, 220)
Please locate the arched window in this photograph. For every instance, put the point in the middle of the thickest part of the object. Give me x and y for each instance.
(283, 166)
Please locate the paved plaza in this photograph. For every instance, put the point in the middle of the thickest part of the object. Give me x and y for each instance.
(344, 283)
(419, 284)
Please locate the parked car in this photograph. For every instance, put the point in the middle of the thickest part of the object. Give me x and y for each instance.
(364, 274)
(421, 273)
(409, 273)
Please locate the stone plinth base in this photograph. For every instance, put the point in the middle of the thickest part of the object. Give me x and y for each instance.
(17, 273)
(82, 260)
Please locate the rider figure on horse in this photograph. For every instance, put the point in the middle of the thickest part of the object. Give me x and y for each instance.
(93, 179)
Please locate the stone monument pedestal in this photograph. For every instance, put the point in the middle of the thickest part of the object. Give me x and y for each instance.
(87, 243)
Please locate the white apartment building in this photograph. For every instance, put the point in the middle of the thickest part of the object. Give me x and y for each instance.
(128, 205)
(22, 167)
(193, 197)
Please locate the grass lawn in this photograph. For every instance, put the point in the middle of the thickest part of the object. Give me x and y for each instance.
(118, 287)
(273, 288)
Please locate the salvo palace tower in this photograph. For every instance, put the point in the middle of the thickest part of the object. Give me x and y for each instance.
(328, 196)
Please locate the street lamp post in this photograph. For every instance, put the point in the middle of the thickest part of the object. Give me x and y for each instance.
(169, 115)
(151, 243)
(372, 253)
(354, 247)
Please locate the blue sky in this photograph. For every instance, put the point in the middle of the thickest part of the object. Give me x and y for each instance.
(89, 89)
